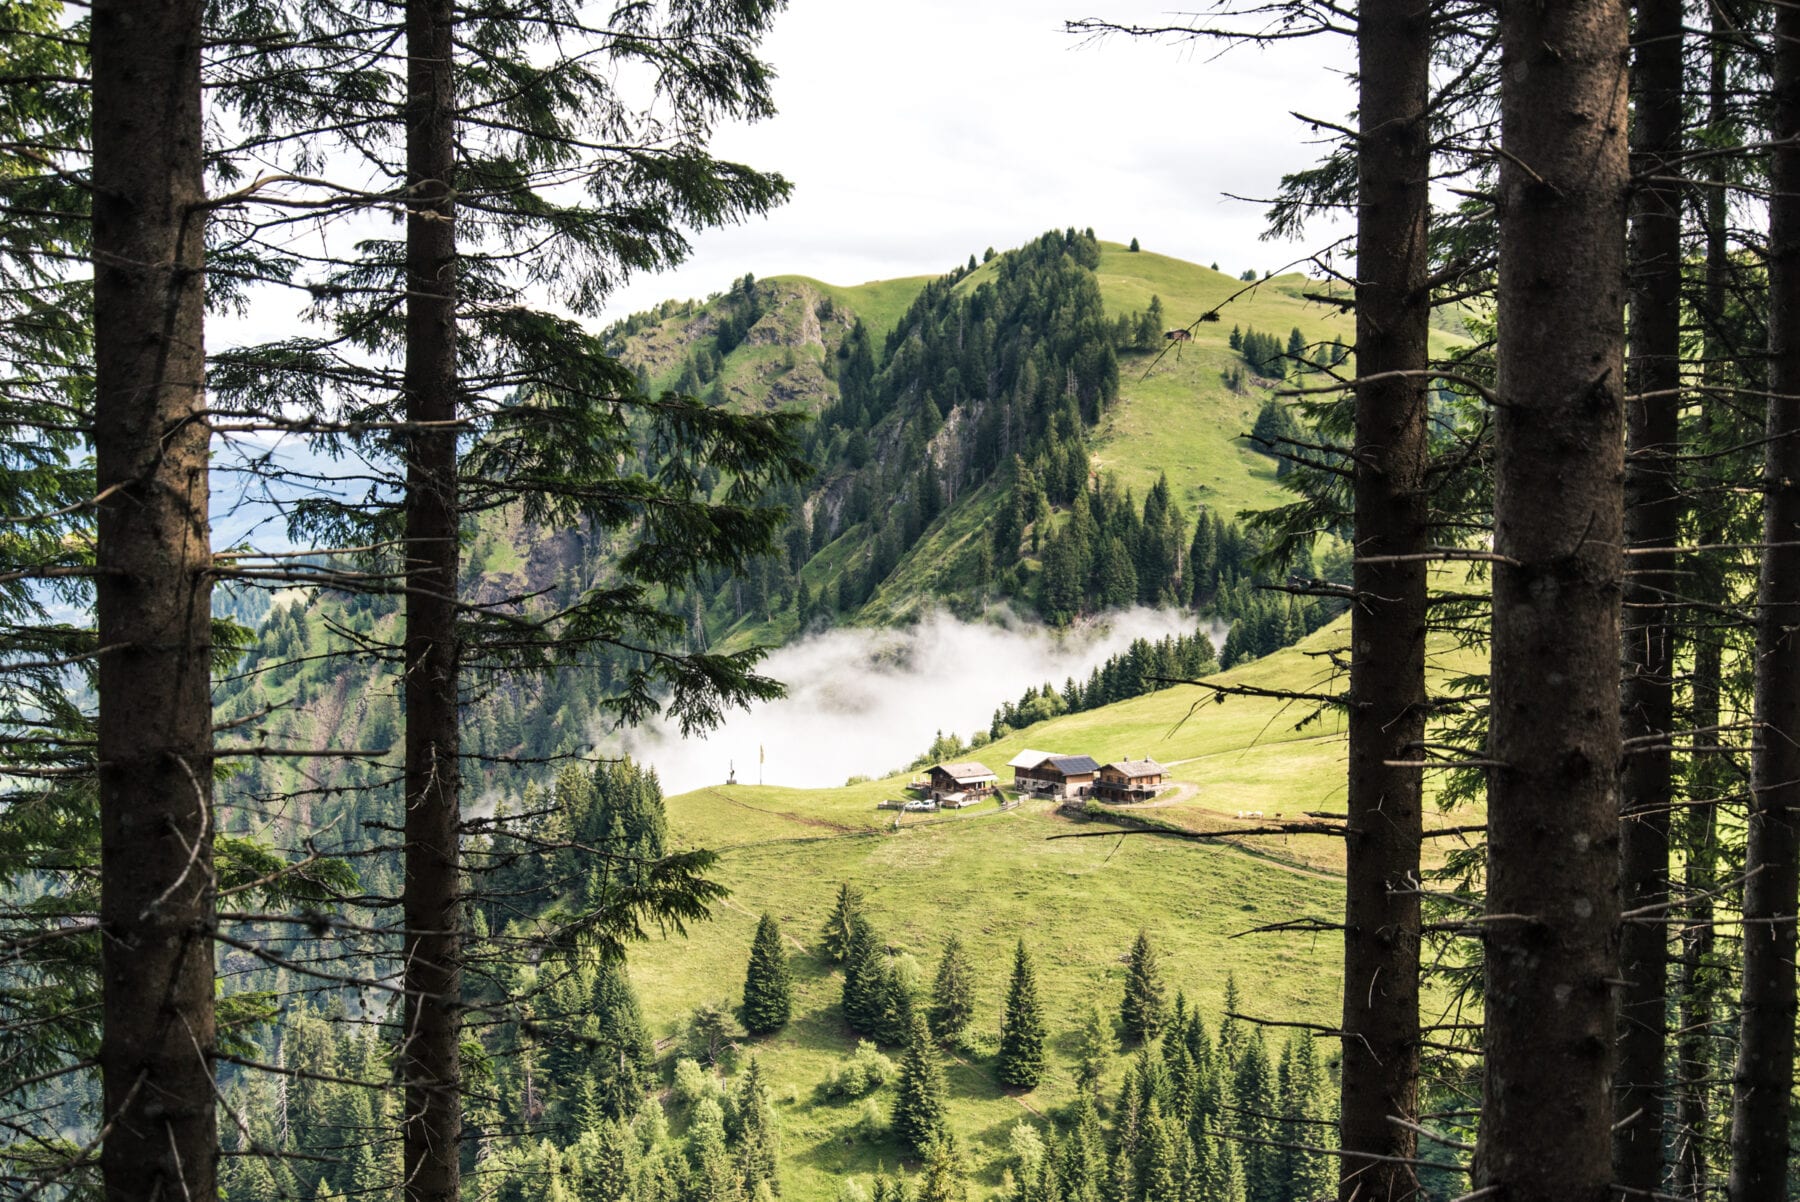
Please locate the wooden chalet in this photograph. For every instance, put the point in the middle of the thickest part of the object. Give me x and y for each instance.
(1025, 765)
(958, 784)
(1060, 776)
(1129, 780)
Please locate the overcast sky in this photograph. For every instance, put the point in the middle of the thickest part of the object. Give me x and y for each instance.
(917, 133)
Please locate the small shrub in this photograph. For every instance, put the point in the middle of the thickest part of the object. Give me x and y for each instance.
(863, 1072)
(872, 1122)
(691, 1081)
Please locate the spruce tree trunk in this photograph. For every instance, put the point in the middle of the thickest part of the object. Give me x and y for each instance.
(153, 605)
(429, 1066)
(1765, 1065)
(1694, 1053)
(1553, 821)
(1387, 632)
(1652, 513)
(1694, 1058)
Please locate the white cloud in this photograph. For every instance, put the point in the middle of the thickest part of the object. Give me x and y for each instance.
(917, 134)
(865, 702)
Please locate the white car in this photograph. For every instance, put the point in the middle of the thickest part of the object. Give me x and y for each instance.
(921, 804)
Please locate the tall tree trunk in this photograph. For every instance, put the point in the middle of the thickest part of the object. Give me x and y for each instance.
(1765, 1066)
(1652, 513)
(1694, 1054)
(1553, 821)
(153, 605)
(1694, 1043)
(1387, 632)
(429, 1066)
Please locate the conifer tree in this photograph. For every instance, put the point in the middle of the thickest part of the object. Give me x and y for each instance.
(710, 1173)
(1093, 1048)
(1296, 351)
(150, 439)
(623, 1063)
(1121, 1182)
(1022, 1028)
(1253, 1096)
(1161, 1157)
(1553, 810)
(1082, 1166)
(1142, 1009)
(835, 935)
(865, 979)
(758, 1144)
(898, 1005)
(1047, 1183)
(943, 1177)
(1231, 1029)
(952, 991)
(919, 1106)
(1303, 1173)
(768, 985)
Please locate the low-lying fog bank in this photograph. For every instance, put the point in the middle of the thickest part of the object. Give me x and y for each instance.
(866, 702)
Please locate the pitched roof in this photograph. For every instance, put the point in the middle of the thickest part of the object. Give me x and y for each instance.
(1138, 767)
(1029, 758)
(1074, 765)
(969, 770)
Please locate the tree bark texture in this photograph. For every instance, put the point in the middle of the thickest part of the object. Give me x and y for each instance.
(1652, 516)
(1387, 631)
(1551, 927)
(153, 605)
(1765, 1066)
(429, 1067)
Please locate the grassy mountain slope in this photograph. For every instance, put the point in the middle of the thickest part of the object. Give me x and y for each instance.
(992, 877)
(1176, 413)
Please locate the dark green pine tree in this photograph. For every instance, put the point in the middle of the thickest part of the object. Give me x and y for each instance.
(1045, 1183)
(768, 985)
(1158, 1175)
(834, 937)
(1081, 1169)
(1118, 575)
(919, 1108)
(1022, 1028)
(898, 1007)
(757, 1146)
(608, 1161)
(865, 979)
(943, 1179)
(952, 992)
(1304, 1174)
(1253, 1094)
(1093, 1050)
(1121, 1183)
(1231, 1028)
(1144, 1006)
(622, 1063)
(1134, 246)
